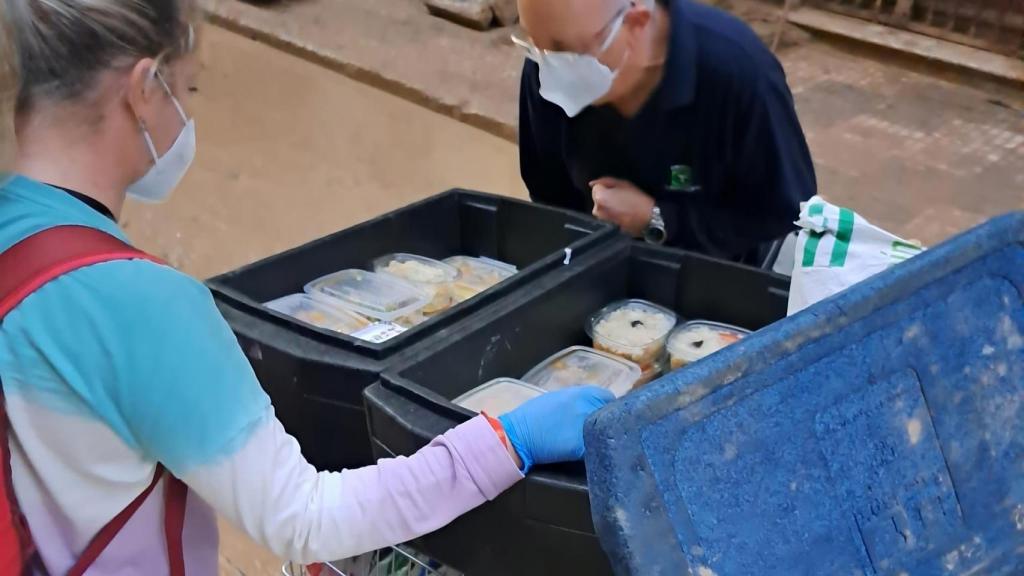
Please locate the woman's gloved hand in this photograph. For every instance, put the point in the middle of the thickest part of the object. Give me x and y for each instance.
(549, 428)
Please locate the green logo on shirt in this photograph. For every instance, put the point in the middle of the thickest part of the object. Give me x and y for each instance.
(680, 177)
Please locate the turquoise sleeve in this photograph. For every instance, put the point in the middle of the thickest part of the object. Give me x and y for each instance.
(143, 348)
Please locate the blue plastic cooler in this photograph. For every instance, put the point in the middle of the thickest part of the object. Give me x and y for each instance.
(878, 432)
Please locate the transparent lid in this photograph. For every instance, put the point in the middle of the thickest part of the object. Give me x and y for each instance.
(631, 324)
(374, 295)
(413, 268)
(695, 340)
(581, 365)
(479, 273)
(498, 396)
(658, 367)
(510, 267)
(652, 372)
(304, 307)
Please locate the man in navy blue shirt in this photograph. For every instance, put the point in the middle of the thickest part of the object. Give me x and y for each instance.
(667, 117)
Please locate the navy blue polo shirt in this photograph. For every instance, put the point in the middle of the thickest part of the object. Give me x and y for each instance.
(718, 144)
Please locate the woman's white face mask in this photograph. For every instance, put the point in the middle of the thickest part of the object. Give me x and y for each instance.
(574, 81)
(163, 176)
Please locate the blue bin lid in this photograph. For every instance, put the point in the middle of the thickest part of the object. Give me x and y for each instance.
(880, 431)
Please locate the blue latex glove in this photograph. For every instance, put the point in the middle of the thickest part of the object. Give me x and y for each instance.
(549, 428)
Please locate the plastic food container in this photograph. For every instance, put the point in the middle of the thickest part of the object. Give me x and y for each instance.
(581, 365)
(653, 372)
(432, 276)
(376, 296)
(632, 329)
(695, 340)
(498, 396)
(303, 307)
(477, 275)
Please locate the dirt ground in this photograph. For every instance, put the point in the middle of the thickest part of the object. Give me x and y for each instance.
(289, 151)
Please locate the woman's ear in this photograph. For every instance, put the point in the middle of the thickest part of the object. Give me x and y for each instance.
(143, 89)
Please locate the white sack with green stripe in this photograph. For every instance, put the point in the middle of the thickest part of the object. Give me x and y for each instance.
(837, 248)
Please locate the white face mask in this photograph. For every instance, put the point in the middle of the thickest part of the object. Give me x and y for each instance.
(574, 81)
(167, 171)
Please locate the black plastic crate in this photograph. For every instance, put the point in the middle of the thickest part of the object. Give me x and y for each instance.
(315, 377)
(550, 511)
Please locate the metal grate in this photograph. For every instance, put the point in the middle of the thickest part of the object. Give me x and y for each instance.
(393, 561)
(995, 25)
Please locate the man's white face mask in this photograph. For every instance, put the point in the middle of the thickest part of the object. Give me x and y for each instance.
(574, 81)
(163, 176)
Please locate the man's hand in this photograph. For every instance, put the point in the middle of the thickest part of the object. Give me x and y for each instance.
(622, 203)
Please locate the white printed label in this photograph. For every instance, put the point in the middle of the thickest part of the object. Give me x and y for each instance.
(379, 332)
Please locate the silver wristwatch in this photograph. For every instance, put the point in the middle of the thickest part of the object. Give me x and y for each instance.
(655, 232)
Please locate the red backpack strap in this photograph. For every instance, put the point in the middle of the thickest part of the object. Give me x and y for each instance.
(49, 254)
(175, 501)
(17, 550)
(24, 268)
(106, 535)
(175, 498)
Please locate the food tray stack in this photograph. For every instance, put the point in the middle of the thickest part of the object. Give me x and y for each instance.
(315, 376)
(543, 525)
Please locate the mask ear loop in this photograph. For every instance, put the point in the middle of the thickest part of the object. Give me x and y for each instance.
(533, 53)
(142, 125)
(154, 74)
(177, 105)
(619, 20)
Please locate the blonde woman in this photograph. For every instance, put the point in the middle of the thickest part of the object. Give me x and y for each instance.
(114, 372)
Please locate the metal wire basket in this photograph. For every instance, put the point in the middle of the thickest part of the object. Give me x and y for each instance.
(393, 561)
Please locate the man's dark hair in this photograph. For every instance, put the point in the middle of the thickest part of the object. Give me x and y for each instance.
(664, 2)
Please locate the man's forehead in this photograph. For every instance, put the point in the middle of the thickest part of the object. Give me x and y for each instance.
(565, 24)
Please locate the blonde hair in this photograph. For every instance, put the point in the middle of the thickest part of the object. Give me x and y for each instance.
(8, 94)
(62, 46)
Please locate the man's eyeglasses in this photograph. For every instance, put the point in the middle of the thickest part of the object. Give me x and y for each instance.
(608, 31)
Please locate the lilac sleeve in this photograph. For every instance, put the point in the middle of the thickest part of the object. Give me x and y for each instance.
(269, 490)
